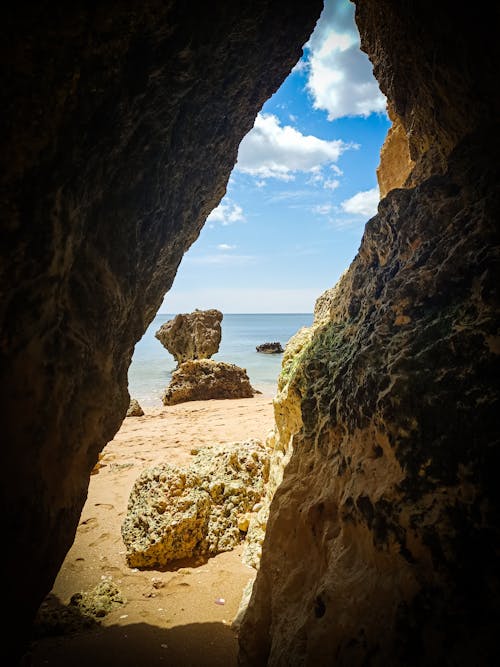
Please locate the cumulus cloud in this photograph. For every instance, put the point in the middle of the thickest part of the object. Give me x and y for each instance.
(272, 150)
(226, 213)
(225, 246)
(362, 203)
(339, 75)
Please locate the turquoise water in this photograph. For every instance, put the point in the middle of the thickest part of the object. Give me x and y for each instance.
(152, 365)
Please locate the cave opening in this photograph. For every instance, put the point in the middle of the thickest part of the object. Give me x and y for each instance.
(382, 540)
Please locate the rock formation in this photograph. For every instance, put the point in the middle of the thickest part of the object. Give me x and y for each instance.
(270, 348)
(381, 539)
(175, 513)
(134, 409)
(205, 379)
(120, 127)
(192, 336)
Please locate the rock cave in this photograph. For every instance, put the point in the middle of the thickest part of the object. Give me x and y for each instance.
(121, 124)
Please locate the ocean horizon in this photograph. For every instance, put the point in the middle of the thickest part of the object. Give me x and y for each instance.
(152, 365)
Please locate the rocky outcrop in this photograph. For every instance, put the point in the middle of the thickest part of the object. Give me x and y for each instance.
(120, 127)
(381, 538)
(134, 409)
(175, 513)
(270, 348)
(396, 164)
(205, 379)
(192, 336)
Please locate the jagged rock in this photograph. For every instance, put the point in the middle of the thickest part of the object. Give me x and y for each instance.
(270, 348)
(204, 379)
(134, 409)
(100, 601)
(382, 539)
(120, 127)
(175, 513)
(382, 472)
(85, 610)
(395, 164)
(193, 335)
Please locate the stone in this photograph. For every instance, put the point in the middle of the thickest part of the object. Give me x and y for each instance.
(85, 610)
(120, 128)
(385, 422)
(190, 336)
(175, 513)
(381, 539)
(205, 379)
(134, 409)
(270, 348)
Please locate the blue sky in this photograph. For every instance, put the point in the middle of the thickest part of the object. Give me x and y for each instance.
(302, 190)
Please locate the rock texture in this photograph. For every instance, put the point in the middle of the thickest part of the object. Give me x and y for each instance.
(205, 379)
(134, 409)
(382, 539)
(175, 513)
(396, 164)
(192, 335)
(270, 348)
(120, 126)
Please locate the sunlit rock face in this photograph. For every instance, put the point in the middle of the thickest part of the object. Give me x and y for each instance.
(121, 123)
(383, 538)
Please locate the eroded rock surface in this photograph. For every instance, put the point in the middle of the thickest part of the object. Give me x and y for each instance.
(381, 539)
(134, 409)
(120, 127)
(205, 379)
(388, 429)
(193, 335)
(270, 348)
(174, 513)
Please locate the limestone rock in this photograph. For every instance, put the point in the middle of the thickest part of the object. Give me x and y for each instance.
(167, 516)
(193, 335)
(270, 348)
(395, 164)
(175, 513)
(99, 601)
(134, 409)
(205, 379)
(386, 422)
(85, 610)
(120, 127)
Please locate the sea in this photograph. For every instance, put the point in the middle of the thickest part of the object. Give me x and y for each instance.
(152, 365)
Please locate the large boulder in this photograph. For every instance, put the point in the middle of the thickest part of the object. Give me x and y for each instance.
(175, 513)
(193, 335)
(203, 379)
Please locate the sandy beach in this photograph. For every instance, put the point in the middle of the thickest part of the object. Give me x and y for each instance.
(172, 617)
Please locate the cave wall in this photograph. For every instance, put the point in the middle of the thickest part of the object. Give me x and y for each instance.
(120, 126)
(382, 540)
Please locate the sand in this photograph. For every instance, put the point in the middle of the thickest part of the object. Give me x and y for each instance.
(172, 617)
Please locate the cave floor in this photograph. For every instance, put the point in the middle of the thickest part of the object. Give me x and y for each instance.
(171, 617)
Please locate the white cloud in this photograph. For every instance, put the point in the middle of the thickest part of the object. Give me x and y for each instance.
(226, 213)
(225, 246)
(271, 150)
(322, 209)
(362, 203)
(331, 184)
(340, 78)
